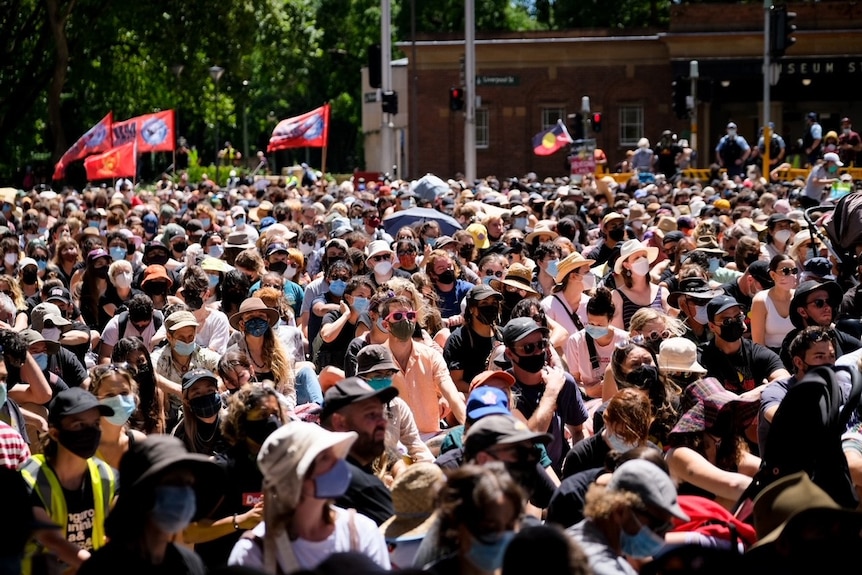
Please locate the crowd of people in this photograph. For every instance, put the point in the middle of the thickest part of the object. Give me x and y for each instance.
(274, 378)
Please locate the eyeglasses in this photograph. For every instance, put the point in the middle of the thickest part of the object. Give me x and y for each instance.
(105, 369)
(489, 273)
(733, 320)
(633, 340)
(816, 336)
(380, 258)
(532, 348)
(406, 253)
(656, 525)
(819, 303)
(788, 271)
(396, 316)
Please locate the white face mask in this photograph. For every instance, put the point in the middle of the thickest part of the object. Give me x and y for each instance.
(306, 249)
(589, 281)
(290, 272)
(782, 236)
(382, 268)
(123, 280)
(640, 267)
(10, 259)
(731, 133)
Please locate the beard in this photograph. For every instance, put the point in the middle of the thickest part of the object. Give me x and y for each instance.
(366, 447)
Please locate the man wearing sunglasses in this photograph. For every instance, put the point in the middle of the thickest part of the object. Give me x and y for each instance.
(741, 365)
(547, 398)
(816, 304)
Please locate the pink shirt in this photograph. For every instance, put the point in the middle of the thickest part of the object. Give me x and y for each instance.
(419, 385)
(578, 356)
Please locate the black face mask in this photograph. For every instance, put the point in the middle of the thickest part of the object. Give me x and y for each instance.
(489, 315)
(193, 300)
(466, 252)
(157, 259)
(733, 331)
(278, 267)
(617, 234)
(180, 247)
(643, 377)
(83, 442)
(206, 405)
(447, 277)
(531, 363)
(101, 272)
(511, 299)
(155, 288)
(28, 276)
(259, 430)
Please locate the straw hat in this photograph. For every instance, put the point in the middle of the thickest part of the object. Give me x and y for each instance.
(632, 248)
(539, 232)
(250, 305)
(413, 497)
(571, 262)
(517, 276)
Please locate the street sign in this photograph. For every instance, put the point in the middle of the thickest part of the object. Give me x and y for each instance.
(583, 159)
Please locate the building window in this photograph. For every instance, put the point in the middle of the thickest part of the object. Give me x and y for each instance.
(550, 117)
(631, 124)
(483, 135)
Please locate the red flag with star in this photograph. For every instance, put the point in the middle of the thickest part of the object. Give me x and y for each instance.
(115, 163)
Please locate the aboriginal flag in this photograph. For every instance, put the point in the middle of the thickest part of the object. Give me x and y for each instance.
(549, 141)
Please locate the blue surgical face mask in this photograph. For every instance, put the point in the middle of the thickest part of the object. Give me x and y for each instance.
(174, 507)
(239, 221)
(519, 223)
(700, 315)
(488, 555)
(337, 288)
(552, 268)
(205, 223)
(644, 543)
(357, 223)
(216, 251)
(431, 242)
(360, 304)
(334, 483)
(617, 443)
(380, 382)
(185, 349)
(41, 360)
(123, 405)
(3, 395)
(213, 281)
(256, 326)
(118, 253)
(487, 280)
(714, 264)
(596, 331)
(93, 224)
(42, 265)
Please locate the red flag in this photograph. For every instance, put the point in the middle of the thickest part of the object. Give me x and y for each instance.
(96, 139)
(310, 130)
(549, 141)
(153, 132)
(115, 163)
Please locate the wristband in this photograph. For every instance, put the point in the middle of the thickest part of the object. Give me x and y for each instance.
(235, 524)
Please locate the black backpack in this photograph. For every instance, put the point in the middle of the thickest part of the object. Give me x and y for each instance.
(805, 435)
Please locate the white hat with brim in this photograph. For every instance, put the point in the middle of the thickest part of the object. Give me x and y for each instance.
(631, 248)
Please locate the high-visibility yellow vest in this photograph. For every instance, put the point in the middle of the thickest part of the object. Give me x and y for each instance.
(42, 478)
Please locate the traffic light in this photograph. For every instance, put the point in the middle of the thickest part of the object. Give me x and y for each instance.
(597, 122)
(679, 93)
(578, 127)
(456, 99)
(375, 77)
(781, 29)
(390, 102)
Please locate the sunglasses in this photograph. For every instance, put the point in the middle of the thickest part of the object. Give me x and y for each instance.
(102, 370)
(732, 320)
(657, 336)
(407, 253)
(489, 273)
(819, 303)
(532, 348)
(788, 271)
(380, 258)
(818, 336)
(397, 316)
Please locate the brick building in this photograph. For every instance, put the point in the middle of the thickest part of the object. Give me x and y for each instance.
(527, 80)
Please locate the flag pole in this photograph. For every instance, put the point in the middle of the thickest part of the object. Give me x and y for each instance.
(174, 147)
(326, 142)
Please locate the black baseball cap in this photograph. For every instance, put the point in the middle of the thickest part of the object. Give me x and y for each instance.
(192, 377)
(374, 357)
(759, 270)
(500, 429)
(482, 291)
(777, 217)
(73, 401)
(520, 327)
(353, 390)
(59, 294)
(719, 304)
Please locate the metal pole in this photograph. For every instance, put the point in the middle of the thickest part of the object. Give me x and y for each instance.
(412, 163)
(694, 73)
(386, 160)
(470, 86)
(217, 160)
(245, 123)
(767, 85)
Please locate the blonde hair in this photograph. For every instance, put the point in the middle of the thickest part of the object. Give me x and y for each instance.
(602, 503)
(645, 315)
(405, 287)
(119, 265)
(17, 295)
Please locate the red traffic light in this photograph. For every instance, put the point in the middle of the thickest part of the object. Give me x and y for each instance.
(456, 99)
(597, 122)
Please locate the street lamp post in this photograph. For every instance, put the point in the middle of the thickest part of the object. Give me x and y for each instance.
(216, 74)
(245, 84)
(177, 70)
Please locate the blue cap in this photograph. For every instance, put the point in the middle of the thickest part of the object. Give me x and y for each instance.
(486, 400)
(151, 224)
(266, 222)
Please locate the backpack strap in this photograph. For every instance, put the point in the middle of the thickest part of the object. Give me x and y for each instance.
(354, 532)
(123, 322)
(852, 398)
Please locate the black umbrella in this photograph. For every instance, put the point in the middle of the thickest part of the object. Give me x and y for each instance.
(393, 222)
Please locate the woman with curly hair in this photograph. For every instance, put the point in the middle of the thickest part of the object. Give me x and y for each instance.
(10, 286)
(655, 326)
(269, 359)
(114, 385)
(252, 414)
(149, 418)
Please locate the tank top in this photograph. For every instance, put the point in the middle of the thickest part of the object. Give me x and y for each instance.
(777, 327)
(630, 307)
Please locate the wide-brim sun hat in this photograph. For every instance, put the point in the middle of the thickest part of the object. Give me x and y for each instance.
(571, 262)
(253, 304)
(413, 498)
(631, 248)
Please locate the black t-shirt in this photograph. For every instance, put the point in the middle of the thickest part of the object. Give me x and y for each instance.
(733, 290)
(242, 490)
(115, 557)
(468, 351)
(743, 370)
(333, 353)
(567, 503)
(601, 253)
(588, 453)
(367, 494)
(350, 364)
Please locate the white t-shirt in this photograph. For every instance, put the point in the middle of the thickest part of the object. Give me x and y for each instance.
(214, 334)
(577, 356)
(560, 312)
(310, 554)
(111, 335)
